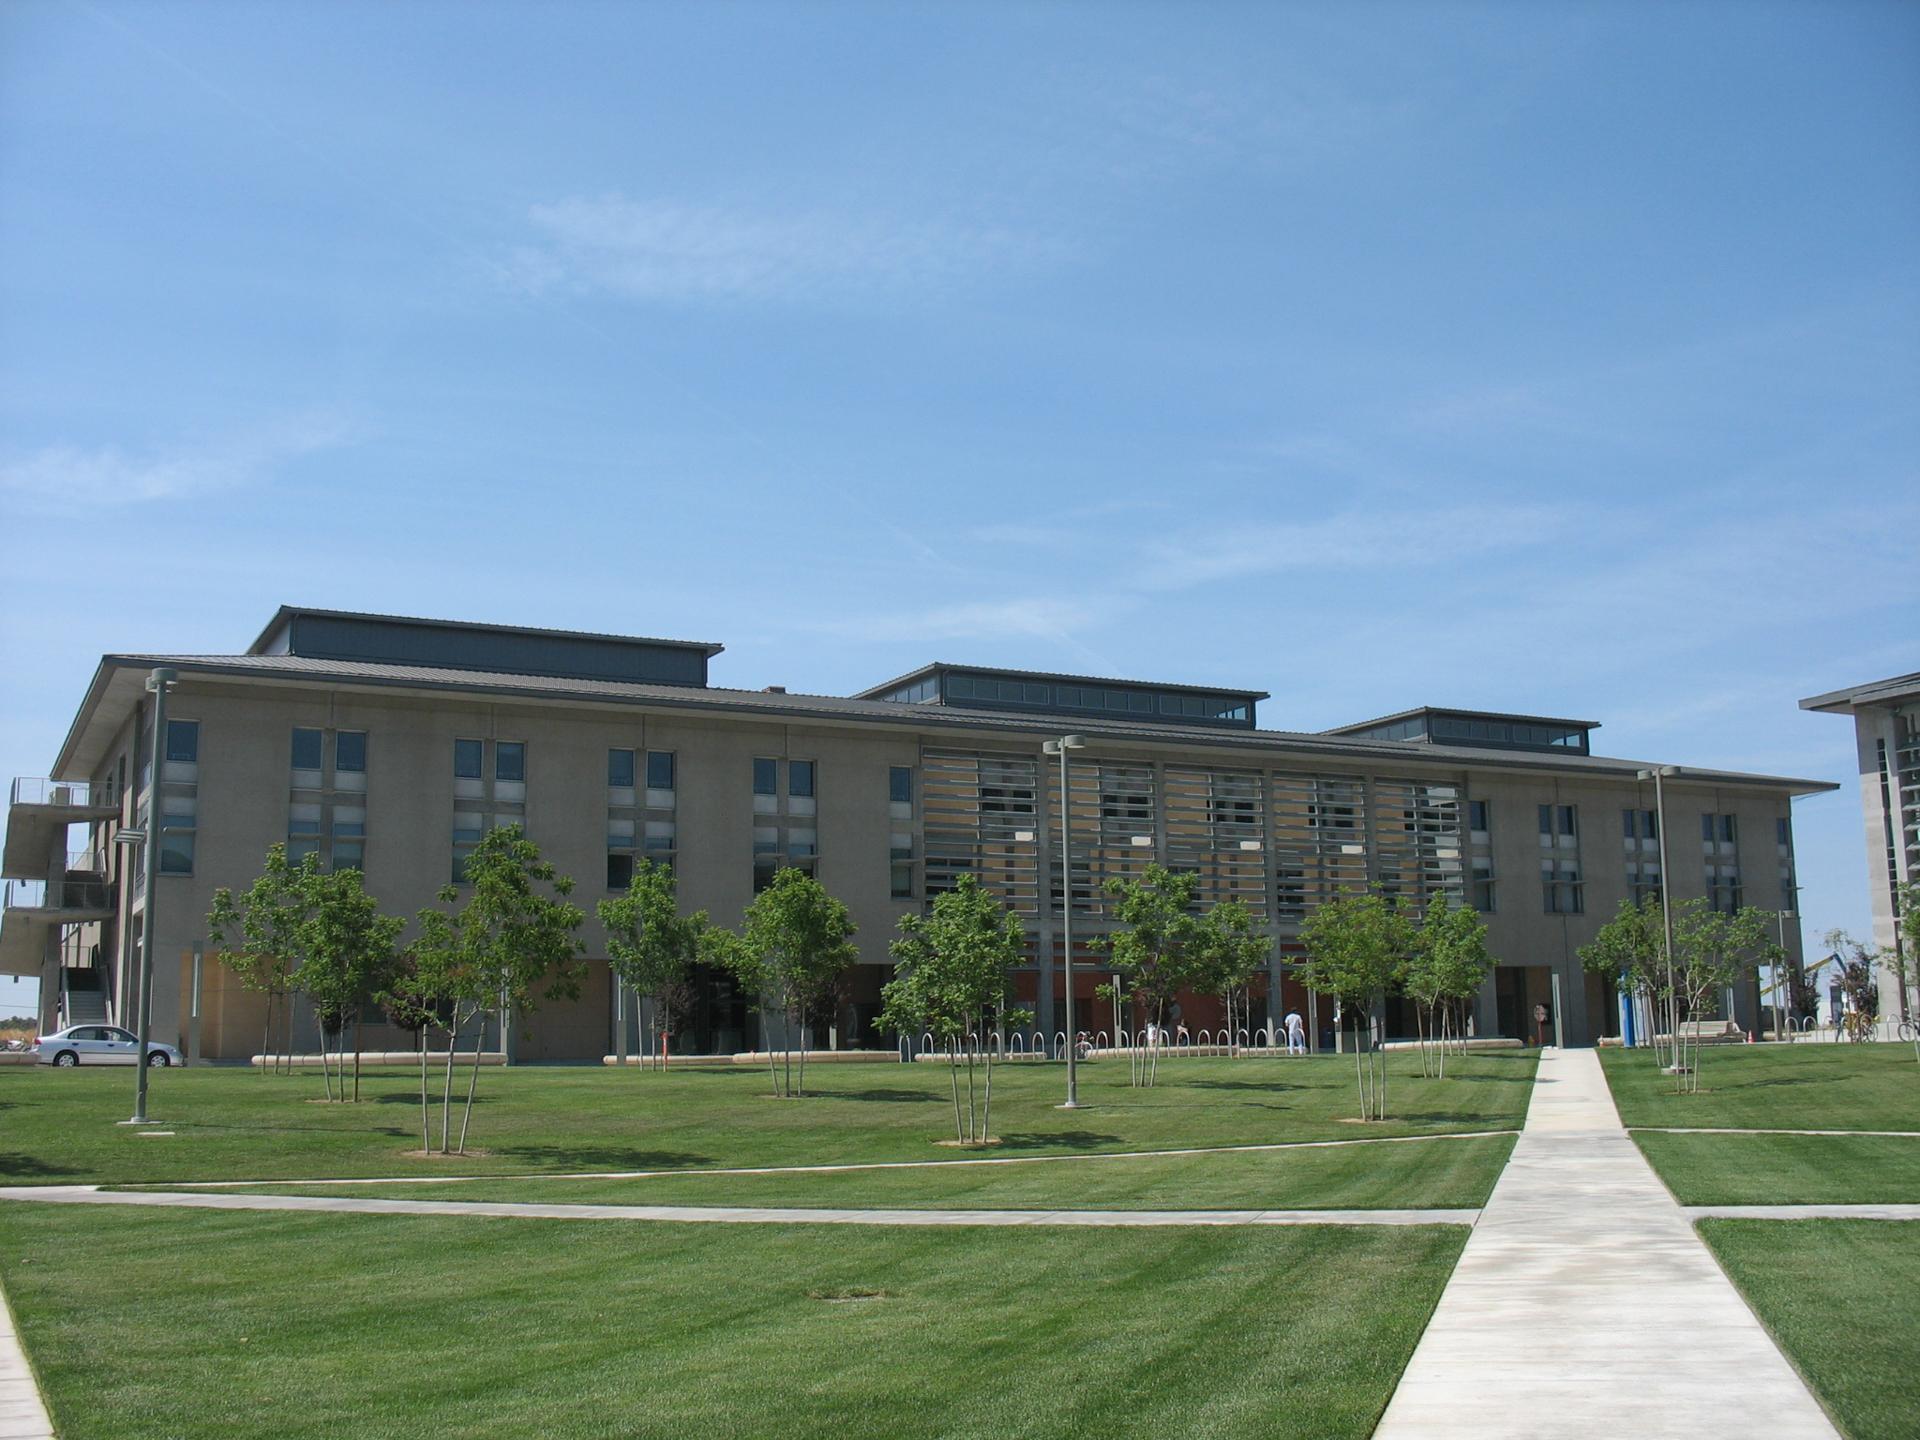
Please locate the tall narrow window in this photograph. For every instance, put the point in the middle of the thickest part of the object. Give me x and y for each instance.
(766, 786)
(183, 742)
(510, 760)
(350, 752)
(309, 746)
(466, 759)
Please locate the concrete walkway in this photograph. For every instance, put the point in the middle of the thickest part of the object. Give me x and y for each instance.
(1586, 1306)
(1801, 1212)
(22, 1415)
(723, 1214)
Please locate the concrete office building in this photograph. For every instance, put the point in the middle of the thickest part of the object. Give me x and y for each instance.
(393, 744)
(1886, 730)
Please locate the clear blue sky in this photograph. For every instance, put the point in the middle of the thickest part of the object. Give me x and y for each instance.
(1560, 358)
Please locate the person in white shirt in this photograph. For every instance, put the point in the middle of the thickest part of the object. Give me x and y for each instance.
(1296, 1033)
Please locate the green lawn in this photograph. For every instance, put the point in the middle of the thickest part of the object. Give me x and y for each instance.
(1785, 1169)
(1843, 1299)
(190, 1324)
(1438, 1173)
(1809, 1086)
(58, 1126)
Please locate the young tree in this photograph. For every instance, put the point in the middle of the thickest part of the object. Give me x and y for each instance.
(1155, 951)
(953, 979)
(1357, 949)
(651, 946)
(1448, 965)
(1858, 962)
(409, 1007)
(794, 941)
(259, 933)
(1629, 954)
(347, 949)
(1229, 950)
(511, 944)
(1712, 950)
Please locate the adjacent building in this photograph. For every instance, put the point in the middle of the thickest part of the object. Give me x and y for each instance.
(394, 744)
(1886, 730)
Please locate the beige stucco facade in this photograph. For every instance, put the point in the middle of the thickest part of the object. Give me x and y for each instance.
(243, 792)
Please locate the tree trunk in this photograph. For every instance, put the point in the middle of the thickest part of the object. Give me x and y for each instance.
(356, 1059)
(266, 1037)
(773, 1072)
(986, 1116)
(804, 1030)
(953, 1073)
(473, 1083)
(424, 1141)
(446, 1093)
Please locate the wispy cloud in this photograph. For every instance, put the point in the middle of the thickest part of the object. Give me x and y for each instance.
(73, 479)
(661, 251)
(1036, 616)
(1358, 543)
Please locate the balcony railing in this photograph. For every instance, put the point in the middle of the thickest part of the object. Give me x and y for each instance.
(78, 794)
(75, 895)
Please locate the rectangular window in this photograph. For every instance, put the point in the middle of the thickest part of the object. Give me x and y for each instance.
(307, 747)
(620, 769)
(619, 869)
(1477, 816)
(350, 752)
(177, 820)
(1483, 885)
(901, 857)
(466, 759)
(766, 776)
(800, 778)
(662, 840)
(303, 819)
(510, 760)
(900, 784)
(659, 770)
(183, 741)
(1561, 887)
(802, 843)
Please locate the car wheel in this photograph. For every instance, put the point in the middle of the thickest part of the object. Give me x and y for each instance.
(158, 1058)
(66, 1057)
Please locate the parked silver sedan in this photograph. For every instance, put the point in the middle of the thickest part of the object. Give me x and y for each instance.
(100, 1045)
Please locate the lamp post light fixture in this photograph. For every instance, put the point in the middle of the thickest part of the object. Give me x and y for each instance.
(158, 683)
(1657, 774)
(1061, 747)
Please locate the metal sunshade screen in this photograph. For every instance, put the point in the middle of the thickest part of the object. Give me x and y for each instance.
(1113, 821)
(1417, 842)
(1319, 842)
(1216, 829)
(975, 808)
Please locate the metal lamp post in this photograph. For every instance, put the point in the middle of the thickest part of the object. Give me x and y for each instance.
(1061, 747)
(1658, 774)
(159, 683)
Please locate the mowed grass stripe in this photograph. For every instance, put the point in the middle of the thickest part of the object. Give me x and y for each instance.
(1843, 1299)
(208, 1324)
(1442, 1174)
(1785, 1169)
(237, 1124)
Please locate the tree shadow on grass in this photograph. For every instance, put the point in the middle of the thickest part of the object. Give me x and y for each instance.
(600, 1157)
(1059, 1140)
(1272, 1087)
(13, 1164)
(882, 1093)
(433, 1096)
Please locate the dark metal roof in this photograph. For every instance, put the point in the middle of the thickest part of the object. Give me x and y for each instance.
(1055, 677)
(1838, 702)
(1257, 746)
(290, 612)
(1399, 715)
